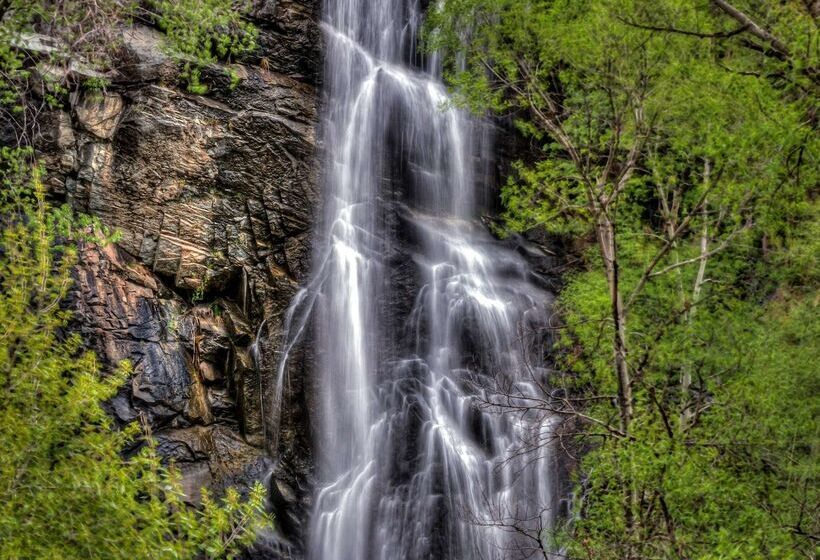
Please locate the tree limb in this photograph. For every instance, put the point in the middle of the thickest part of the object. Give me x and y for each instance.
(698, 34)
(752, 27)
(647, 273)
(706, 255)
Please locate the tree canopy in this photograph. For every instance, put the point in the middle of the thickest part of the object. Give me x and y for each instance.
(678, 137)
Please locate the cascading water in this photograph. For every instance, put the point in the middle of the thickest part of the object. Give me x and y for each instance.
(412, 460)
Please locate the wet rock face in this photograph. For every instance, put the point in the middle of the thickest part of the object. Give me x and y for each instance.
(214, 198)
(290, 36)
(199, 188)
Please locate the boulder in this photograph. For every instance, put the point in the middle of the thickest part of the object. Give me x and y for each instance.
(145, 56)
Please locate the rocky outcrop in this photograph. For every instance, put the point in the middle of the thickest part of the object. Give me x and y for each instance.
(213, 198)
(199, 187)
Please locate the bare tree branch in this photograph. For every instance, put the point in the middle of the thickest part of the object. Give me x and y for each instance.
(698, 34)
(670, 242)
(752, 27)
(703, 256)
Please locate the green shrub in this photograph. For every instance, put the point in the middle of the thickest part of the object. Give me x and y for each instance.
(66, 491)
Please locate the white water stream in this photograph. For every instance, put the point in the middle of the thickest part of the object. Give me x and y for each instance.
(411, 462)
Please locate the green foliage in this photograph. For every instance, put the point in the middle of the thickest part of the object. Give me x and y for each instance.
(690, 99)
(46, 42)
(43, 44)
(690, 137)
(218, 33)
(739, 480)
(66, 491)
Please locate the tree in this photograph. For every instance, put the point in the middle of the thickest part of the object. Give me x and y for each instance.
(679, 138)
(65, 487)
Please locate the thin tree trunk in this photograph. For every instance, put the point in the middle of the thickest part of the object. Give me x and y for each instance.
(608, 247)
(609, 253)
(687, 415)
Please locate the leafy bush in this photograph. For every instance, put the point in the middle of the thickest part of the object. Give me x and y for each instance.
(65, 488)
(219, 34)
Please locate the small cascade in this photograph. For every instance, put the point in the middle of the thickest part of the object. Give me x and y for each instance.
(415, 460)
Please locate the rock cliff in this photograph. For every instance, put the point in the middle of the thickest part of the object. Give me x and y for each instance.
(213, 197)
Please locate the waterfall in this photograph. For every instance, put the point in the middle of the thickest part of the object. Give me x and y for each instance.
(414, 460)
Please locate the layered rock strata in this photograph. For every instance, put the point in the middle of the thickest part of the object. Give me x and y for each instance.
(213, 198)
